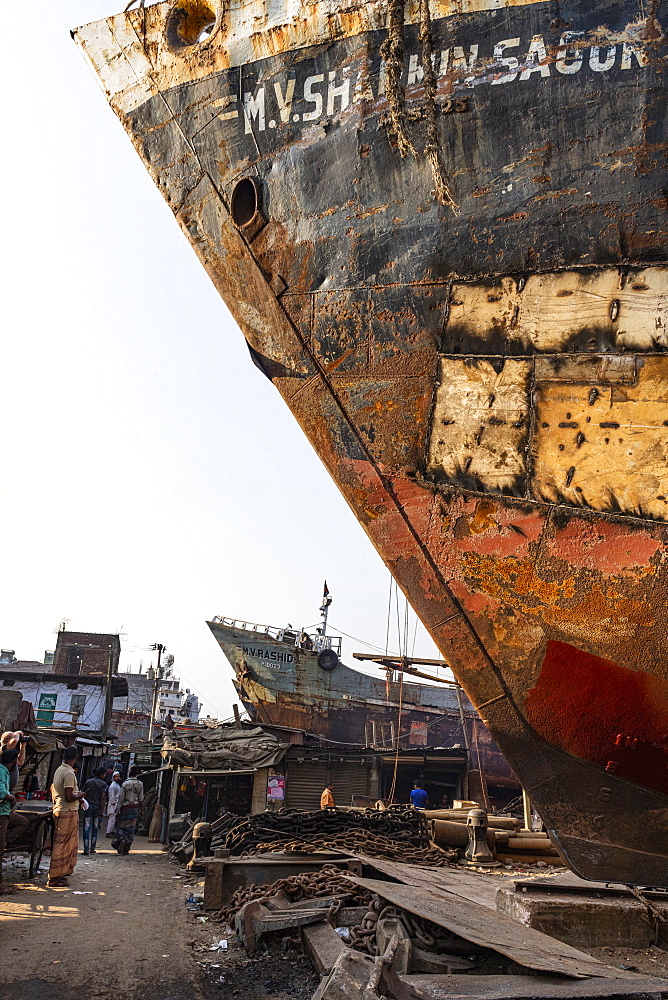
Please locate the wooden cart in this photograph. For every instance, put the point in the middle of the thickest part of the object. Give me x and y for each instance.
(33, 840)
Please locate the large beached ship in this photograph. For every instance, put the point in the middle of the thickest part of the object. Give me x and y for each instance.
(290, 678)
(442, 229)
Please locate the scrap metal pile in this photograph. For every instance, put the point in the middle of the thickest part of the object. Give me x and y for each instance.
(399, 833)
(451, 952)
(183, 848)
(505, 838)
(429, 933)
(326, 883)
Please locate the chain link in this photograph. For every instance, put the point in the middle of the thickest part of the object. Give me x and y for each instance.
(329, 881)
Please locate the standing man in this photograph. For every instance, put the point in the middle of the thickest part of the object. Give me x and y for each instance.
(132, 796)
(18, 824)
(13, 749)
(327, 799)
(7, 800)
(419, 798)
(115, 789)
(66, 798)
(95, 791)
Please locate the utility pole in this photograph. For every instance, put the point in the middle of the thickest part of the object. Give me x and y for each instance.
(156, 688)
(108, 700)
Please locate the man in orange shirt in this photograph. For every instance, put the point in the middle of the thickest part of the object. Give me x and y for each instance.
(327, 799)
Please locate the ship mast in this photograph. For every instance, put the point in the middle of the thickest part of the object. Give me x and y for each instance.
(324, 607)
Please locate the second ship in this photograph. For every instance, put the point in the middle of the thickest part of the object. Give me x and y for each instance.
(292, 678)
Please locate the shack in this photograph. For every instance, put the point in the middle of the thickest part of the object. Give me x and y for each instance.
(361, 776)
(247, 770)
(220, 769)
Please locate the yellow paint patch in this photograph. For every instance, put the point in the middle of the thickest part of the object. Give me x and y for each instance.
(604, 446)
(480, 421)
(515, 581)
(483, 519)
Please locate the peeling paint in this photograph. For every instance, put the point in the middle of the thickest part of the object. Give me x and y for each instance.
(467, 379)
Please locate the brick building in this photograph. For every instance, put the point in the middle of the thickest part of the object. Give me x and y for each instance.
(87, 653)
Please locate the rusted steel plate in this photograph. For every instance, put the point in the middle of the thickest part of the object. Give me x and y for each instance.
(480, 889)
(584, 432)
(530, 987)
(535, 555)
(494, 930)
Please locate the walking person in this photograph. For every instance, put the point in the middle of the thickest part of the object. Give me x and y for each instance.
(419, 798)
(95, 791)
(66, 798)
(114, 793)
(129, 805)
(327, 798)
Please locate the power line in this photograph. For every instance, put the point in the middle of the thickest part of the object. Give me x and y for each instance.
(362, 642)
(199, 694)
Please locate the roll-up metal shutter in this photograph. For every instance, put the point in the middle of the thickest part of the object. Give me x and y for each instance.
(351, 778)
(305, 784)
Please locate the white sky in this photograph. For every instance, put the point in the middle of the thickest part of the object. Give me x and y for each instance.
(152, 476)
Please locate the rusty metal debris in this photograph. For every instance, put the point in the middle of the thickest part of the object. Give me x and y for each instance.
(326, 883)
(183, 849)
(292, 903)
(397, 833)
(489, 929)
(429, 934)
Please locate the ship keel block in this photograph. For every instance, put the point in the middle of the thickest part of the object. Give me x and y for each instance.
(487, 387)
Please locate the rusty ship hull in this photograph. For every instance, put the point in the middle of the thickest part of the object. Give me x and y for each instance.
(282, 684)
(471, 335)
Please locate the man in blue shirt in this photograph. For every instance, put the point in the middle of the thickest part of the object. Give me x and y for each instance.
(419, 798)
(7, 800)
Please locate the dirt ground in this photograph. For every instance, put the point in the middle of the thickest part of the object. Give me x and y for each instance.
(122, 929)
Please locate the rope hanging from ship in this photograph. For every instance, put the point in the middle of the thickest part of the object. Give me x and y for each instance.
(393, 52)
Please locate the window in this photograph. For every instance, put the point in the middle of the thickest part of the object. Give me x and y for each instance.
(77, 704)
(74, 660)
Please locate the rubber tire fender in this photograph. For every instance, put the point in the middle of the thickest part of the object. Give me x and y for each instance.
(327, 659)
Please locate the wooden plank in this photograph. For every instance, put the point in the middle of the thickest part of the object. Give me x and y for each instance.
(438, 987)
(476, 923)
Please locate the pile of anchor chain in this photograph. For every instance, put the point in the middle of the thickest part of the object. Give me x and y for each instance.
(425, 934)
(399, 833)
(329, 881)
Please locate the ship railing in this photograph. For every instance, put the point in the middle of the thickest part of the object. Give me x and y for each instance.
(246, 626)
(298, 638)
(321, 642)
